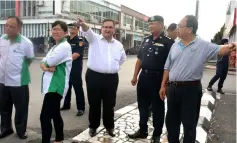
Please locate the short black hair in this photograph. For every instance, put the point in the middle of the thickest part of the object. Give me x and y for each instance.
(62, 24)
(18, 20)
(192, 22)
(108, 20)
(223, 41)
(74, 25)
(172, 27)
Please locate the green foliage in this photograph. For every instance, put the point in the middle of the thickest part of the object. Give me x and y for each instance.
(218, 36)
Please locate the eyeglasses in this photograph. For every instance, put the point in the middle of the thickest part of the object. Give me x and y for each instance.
(10, 26)
(108, 27)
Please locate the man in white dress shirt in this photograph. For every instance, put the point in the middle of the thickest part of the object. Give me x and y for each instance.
(105, 57)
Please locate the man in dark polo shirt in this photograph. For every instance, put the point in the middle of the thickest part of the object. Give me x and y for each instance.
(222, 66)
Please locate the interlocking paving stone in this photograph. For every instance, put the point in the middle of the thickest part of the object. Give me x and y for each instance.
(128, 122)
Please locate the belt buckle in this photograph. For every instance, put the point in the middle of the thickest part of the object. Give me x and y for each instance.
(175, 84)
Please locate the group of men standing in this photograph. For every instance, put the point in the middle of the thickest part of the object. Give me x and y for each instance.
(175, 70)
(163, 68)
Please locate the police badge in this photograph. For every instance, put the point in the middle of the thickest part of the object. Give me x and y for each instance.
(81, 43)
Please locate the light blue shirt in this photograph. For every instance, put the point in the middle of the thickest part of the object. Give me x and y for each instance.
(186, 63)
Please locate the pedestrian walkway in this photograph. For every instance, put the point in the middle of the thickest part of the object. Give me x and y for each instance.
(127, 122)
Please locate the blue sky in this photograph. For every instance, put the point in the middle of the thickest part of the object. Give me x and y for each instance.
(211, 16)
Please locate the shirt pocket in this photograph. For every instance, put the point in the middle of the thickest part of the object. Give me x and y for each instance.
(18, 52)
(116, 57)
(115, 54)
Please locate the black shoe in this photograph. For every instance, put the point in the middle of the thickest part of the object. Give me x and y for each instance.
(138, 134)
(111, 132)
(92, 132)
(209, 88)
(220, 91)
(155, 140)
(80, 113)
(6, 133)
(23, 136)
(65, 108)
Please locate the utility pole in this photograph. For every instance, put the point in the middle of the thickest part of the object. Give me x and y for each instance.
(197, 9)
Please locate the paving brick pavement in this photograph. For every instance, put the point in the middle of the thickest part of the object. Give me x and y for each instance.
(127, 119)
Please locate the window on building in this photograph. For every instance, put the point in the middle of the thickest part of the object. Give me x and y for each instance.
(24, 9)
(7, 8)
(92, 12)
(127, 19)
(29, 8)
(146, 26)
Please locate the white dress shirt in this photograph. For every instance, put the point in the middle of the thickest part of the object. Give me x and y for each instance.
(104, 56)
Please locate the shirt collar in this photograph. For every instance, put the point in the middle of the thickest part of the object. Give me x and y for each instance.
(182, 45)
(159, 37)
(102, 37)
(17, 39)
(62, 40)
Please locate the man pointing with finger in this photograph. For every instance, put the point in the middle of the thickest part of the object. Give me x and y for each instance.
(183, 73)
(105, 56)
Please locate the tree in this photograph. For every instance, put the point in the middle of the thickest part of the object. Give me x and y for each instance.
(218, 36)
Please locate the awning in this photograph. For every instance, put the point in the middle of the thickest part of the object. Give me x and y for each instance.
(32, 30)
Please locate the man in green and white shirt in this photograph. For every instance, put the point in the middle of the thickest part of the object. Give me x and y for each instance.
(16, 54)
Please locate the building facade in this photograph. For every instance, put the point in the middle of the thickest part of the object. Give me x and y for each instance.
(133, 27)
(38, 15)
(230, 29)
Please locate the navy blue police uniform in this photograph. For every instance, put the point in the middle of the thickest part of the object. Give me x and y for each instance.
(77, 44)
(222, 66)
(153, 54)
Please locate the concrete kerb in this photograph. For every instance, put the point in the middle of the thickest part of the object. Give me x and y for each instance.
(206, 112)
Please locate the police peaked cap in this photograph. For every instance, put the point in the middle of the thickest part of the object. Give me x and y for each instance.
(72, 25)
(156, 18)
(223, 41)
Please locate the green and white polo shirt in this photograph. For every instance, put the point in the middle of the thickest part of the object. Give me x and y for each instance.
(15, 57)
(60, 56)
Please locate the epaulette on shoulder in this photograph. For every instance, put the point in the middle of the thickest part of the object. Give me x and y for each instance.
(80, 37)
(147, 37)
(167, 37)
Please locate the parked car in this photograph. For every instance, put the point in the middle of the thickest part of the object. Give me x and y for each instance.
(132, 51)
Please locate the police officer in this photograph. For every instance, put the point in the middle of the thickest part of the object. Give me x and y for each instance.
(222, 66)
(151, 59)
(77, 44)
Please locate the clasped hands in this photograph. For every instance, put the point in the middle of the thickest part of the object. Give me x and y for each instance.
(44, 68)
(232, 46)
